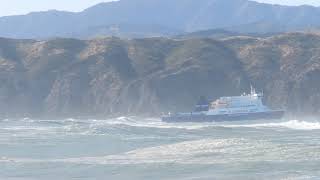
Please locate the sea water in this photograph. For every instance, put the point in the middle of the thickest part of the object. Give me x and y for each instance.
(132, 148)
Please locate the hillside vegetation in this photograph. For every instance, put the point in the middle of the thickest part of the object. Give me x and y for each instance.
(111, 76)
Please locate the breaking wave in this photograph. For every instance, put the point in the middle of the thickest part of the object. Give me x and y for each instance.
(157, 123)
(34, 147)
(90, 125)
(292, 124)
(204, 151)
(181, 152)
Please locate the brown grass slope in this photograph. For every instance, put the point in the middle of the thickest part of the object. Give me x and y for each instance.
(111, 76)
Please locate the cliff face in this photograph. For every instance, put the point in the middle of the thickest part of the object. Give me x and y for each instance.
(111, 76)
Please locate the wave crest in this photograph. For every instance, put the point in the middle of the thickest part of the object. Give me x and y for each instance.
(292, 124)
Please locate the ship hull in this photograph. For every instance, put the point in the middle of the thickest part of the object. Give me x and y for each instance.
(225, 117)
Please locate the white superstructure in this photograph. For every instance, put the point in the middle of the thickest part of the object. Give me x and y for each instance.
(250, 103)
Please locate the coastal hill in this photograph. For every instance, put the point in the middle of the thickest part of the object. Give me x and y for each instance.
(149, 18)
(112, 76)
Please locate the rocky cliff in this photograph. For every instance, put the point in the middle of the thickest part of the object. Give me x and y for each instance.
(112, 76)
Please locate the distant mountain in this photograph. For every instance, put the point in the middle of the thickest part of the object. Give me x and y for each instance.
(111, 76)
(143, 18)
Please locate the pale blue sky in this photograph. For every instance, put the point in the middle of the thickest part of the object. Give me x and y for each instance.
(15, 7)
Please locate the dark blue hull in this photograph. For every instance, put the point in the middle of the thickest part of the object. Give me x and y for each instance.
(225, 117)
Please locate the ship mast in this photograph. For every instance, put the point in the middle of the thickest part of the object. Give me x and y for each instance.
(252, 91)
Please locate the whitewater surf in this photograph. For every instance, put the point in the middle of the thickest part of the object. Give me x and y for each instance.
(140, 148)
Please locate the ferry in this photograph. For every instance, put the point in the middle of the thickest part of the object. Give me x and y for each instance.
(234, 108)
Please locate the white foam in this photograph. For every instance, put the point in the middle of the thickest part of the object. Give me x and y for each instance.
(149, 122)
(292, 124)
(101, 127)
(204, 151)
(182, 152)
(157, 123)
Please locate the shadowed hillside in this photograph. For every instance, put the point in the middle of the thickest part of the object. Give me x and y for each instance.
(111, 76)
(150, 18)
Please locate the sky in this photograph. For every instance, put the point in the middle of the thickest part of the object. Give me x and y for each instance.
(17, 7)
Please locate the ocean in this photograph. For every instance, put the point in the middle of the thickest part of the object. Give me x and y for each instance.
(130, 148)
